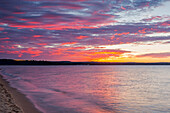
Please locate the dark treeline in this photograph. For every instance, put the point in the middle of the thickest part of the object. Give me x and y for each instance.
(34, 62)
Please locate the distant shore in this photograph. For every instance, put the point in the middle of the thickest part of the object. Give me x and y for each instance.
(45, 63)
(12, 101)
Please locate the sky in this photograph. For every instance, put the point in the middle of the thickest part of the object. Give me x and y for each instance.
(85, 30)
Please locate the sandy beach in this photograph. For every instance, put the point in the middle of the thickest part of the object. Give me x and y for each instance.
(12, 101)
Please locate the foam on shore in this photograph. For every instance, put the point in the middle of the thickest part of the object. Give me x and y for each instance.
(11, 100)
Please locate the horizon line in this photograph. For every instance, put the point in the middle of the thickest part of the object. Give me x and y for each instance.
(20, 60)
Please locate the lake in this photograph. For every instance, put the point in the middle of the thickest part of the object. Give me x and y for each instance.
(93, 89)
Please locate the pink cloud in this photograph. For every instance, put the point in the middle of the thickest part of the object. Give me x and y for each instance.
(123, 8)
(81, 37)
(153, 18)
(31, 51)
(19, 12)
(4, 38)
(37, 36)
(1, 29)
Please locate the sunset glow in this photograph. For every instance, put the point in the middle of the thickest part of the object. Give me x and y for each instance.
(85, 30)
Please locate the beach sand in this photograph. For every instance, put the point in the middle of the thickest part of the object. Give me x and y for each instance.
(12, 101)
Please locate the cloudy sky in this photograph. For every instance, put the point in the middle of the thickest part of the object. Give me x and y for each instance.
(85, 30)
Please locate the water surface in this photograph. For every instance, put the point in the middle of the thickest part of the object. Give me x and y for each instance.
(93, 89)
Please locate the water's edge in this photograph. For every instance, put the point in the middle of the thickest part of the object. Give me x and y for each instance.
(19, 98)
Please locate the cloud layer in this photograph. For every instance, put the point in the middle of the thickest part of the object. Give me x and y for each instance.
(66, 29)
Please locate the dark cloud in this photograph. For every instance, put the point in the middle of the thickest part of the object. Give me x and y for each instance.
(156, 55)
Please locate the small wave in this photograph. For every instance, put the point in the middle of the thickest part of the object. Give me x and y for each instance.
(63, 92)
(3, 72)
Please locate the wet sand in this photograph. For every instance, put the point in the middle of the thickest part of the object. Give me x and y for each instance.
(12, 101)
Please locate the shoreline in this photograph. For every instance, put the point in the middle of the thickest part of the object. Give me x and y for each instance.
(13, 101)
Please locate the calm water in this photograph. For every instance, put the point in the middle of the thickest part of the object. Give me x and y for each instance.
(93, 89)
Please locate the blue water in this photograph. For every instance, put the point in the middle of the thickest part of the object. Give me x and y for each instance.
(93, 89)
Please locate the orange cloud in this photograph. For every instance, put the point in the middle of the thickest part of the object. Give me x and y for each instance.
(143, 31)
(125, 33)
(91, 55)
